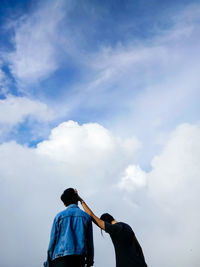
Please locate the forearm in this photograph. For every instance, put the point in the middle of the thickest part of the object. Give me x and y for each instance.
(98, 221)
(86, 208)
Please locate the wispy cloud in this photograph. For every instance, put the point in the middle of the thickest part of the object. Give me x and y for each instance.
(141, 75)
(144, 87)
(15, 110)
(4, 82)
(36, 42)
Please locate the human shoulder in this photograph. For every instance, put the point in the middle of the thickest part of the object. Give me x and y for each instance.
(117, 227)
(72, 210)
(60, 214)
(126, 226)
(112, 228)
(84, 214)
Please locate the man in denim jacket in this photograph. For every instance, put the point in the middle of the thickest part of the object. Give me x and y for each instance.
(71, 240)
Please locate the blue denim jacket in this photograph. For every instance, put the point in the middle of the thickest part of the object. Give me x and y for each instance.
(71, 234)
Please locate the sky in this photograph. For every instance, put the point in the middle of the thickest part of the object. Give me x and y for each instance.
(102, 96)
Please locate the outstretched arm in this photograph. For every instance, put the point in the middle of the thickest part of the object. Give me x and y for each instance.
(96, 220)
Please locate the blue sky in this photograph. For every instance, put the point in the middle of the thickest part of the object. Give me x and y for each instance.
(90, 83)
(59, 50)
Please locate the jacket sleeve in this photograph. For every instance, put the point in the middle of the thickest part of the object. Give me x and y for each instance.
(52, 242)
(90, 245)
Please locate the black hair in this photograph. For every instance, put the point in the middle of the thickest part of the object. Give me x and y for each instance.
(106, 217)
(69, 197)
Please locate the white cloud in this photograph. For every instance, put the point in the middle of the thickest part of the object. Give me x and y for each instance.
(174, 181)
(173, 186)
(88, 157)
(150, 82)
(25, 179)
(35, 42)
(159, 90)
(92, 159)
(14, 110)
(90, 141)
(133, 178)
(140, 81)
(145, 81)
(97, 152)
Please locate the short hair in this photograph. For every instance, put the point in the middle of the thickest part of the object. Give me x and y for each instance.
(69, 197)
(106, 217)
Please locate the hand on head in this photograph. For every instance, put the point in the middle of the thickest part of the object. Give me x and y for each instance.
(76, 191)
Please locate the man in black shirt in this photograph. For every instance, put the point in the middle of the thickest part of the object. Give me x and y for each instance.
(128, 251)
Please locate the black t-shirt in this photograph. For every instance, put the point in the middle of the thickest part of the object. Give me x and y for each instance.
(128, 251)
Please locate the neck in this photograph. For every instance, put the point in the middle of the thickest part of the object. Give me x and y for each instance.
(114, 222)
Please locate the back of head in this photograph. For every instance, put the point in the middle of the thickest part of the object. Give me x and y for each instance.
(69, 197)
(106, 217)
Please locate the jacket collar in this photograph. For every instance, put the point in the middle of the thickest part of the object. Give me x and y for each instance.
(72, 206)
